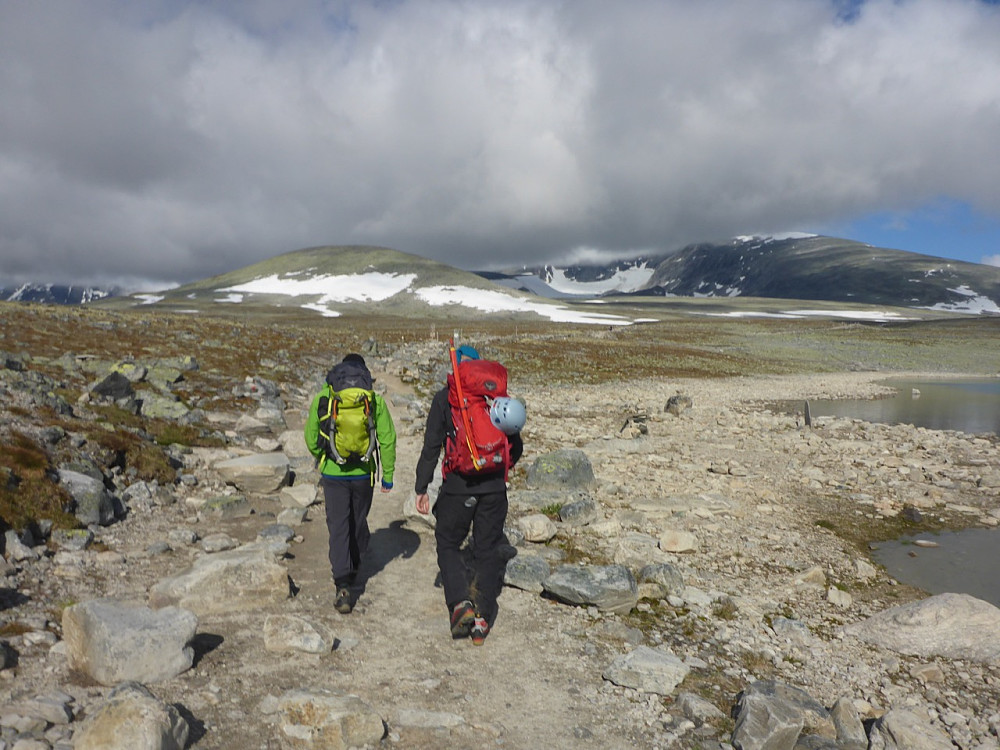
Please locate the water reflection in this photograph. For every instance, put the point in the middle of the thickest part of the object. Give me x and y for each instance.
(964, 562)
(971, 406)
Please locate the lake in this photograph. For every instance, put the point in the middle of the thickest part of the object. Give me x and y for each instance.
(968, 405)
(966, 562)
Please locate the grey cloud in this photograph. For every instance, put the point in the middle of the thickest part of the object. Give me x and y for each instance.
(175, 141)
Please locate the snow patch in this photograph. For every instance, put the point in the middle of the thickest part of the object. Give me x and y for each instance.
(149, 299)
(357, 287)
(487, 300)
(875, 316)
(624, 280)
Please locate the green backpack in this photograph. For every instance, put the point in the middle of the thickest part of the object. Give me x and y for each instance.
(347, 415)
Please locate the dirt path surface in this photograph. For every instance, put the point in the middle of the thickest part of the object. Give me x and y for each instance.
(742, 480)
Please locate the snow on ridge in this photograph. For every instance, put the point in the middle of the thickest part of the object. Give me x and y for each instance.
(487, 300)
(355, 287)
(624, 280)
(777, 237)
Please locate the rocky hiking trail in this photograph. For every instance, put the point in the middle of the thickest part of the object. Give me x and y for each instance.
(727, 612)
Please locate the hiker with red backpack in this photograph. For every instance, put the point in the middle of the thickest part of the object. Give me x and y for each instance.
(350, 433)
(478, 425)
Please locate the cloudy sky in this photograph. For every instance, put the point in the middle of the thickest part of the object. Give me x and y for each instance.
(163, 141)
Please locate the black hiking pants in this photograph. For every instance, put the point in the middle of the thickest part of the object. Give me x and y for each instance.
(348, 502)
(485, 514)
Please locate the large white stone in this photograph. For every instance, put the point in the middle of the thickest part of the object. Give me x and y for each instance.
(114, 641)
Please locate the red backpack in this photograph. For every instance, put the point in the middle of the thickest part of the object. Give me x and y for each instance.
(477, 446)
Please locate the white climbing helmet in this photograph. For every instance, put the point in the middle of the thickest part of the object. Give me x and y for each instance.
(508, 415)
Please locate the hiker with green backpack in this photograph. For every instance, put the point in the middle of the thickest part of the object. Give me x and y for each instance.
(478, 426)
(350, 433)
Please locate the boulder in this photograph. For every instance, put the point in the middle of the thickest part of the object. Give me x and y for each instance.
(900, 729)
(526, 572)
(158, 406)
(772, 714)
(660, 580)
(132, 718)
(293, 633)
(567, 468)
(953, 626)
(649, 670)
(261, 473)
(579, 512)
(608, 587)
(93, 503)
(114, 641)
(537, 527)
(238, 580)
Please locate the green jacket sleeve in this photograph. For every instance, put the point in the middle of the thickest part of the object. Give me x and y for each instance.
(312, 428)
(386, 432)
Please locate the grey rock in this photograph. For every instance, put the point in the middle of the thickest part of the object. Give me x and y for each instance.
(115, 386)
(323, 720)
(264, 473)
(850, 731)
(537, 527)
(900, 729)
(579, 512)
(697, 709)
(298, 496)
(293, 633)
(223, 507)
(649, 670)
(526, 572)
(661, 580)
(678, 404)
(113, 641)
(158, 406)
(292, 516)
(16, 550)
(567, 468)
(93, 503)
(955, 626)
(132, 718)
(608, 587)
(771, 715)
(278, 531)
(219, 542)
(238, 580)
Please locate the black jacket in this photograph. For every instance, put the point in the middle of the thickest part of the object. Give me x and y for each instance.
(439, 426)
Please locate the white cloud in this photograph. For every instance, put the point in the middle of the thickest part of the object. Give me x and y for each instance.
(991, 260)
(175, 140)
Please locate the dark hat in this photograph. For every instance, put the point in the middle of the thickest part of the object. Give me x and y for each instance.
(355, 358)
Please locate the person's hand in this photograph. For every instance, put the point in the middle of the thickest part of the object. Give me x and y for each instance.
(386, 486)
(423, 504)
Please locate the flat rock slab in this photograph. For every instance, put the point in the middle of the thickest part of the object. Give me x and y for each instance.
(321, 720)
(240, 579)
(954, 626)
(261, 473)
(649, 670)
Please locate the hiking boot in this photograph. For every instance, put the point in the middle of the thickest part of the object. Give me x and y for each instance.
(343, 603)
(480, 629)
(462, 617)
